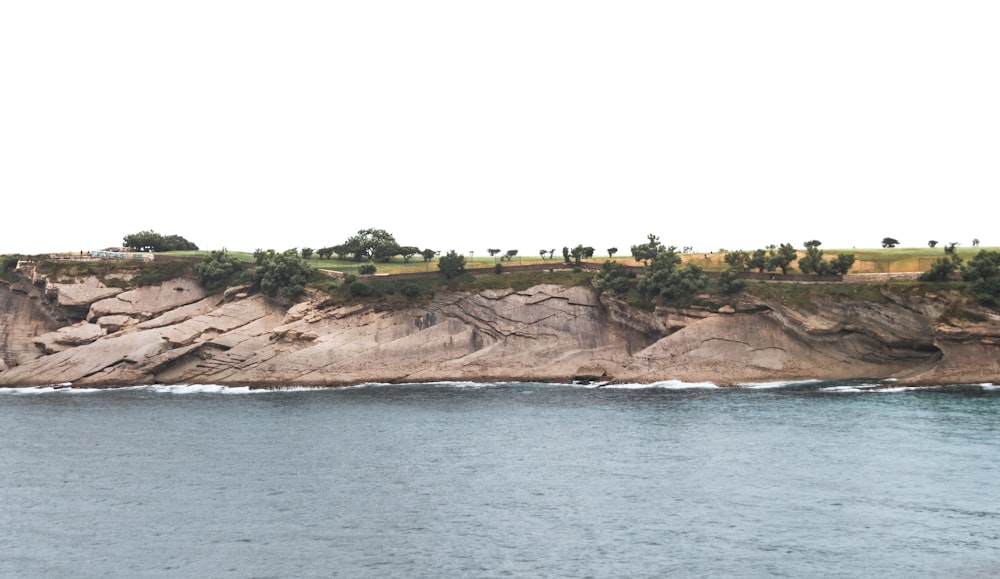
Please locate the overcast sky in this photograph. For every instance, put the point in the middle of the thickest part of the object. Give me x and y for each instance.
(517, 124)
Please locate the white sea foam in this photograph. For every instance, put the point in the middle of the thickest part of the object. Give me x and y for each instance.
(777, 384)
(64, 388)
(853, 388)
(664, 385)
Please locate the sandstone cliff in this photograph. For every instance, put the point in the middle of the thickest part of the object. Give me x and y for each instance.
(87, 334)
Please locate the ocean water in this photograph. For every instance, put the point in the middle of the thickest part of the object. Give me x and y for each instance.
(808, 479)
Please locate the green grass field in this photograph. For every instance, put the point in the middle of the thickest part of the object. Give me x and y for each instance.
(894, 260)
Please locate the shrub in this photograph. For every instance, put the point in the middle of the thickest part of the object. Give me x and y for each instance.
(360, 289)
(218, 270)
(410, 290)
(281, 274)
(730, 282)
(367, 269)
(452, 264)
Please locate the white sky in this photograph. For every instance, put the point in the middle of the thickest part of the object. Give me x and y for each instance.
(517, 124)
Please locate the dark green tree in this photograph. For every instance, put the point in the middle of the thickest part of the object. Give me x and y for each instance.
(613, 277)
(782, 257)
(493, 251)
(612, 251)
(428, 254)
(932, 243)
(152, 241)
(645, 252)
(737, 260)
(758, 260)
(306, 253)
(509, 255)
(983, 271)
(888, 242)
(372, 244)
(942, 268)
(408, 251)
(325, 252)
(452, 264)
(730, 281)
(812, 260)
(665, 278)
(217, 271)
(842, 263)
(281, 274)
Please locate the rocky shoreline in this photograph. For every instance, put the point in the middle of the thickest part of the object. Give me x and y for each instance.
(89, 335)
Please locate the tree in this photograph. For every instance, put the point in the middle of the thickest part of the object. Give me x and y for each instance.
(217, 271)
(428, 254)
(452, 264)
(325, 252)
(983, 271)
(737, 260)
(492, 252)
(307, 253)
(612, 251)
(942, 268)
(511, 253)
(758, 260)
(663, 277)
(613, 277)
(566, 254)
(950, 248)
(542, 253)
(842, 264)
(782, 257)
(932, 243)
(151, 241)
(372, 244)
(281, 274)
(645, 252)
(888, 242)
(730, 282)
(975, 242)
(810, 262)
(408, 251)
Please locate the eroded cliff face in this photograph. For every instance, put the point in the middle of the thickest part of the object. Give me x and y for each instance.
(89, 335)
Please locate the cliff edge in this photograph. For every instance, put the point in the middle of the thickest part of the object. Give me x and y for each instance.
(90, 335)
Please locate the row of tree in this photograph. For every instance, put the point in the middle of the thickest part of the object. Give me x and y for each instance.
(151, 241)
(889, 242)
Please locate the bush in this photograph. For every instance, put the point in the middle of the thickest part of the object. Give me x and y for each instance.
(367, 269)
(452, 264)
(614, 277)
(410, 290)
(942, 268)
(217, 271)
(360, 289)
(984, 273)
(281, 274)
(498, 269)
(730, 282)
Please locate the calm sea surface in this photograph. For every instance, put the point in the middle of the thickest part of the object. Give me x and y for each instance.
(524, 480)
